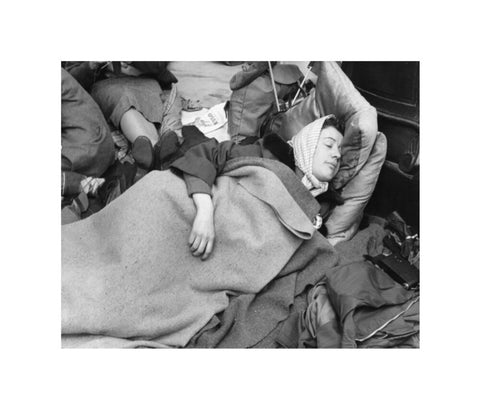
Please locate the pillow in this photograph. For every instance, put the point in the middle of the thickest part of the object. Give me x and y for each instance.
(344, 220)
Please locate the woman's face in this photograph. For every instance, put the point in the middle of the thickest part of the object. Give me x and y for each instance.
(326, 159)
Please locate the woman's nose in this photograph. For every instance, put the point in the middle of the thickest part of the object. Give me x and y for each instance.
(336, 152)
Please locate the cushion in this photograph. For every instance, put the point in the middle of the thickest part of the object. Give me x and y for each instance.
(344, 220)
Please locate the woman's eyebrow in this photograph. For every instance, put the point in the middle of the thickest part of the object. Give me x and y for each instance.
(329, 137)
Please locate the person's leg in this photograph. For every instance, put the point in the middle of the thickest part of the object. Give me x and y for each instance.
(134, 106)
(143, 136)
(133, 124)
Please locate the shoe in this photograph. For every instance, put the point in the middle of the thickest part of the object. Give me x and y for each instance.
(166, 150)
(142, 152)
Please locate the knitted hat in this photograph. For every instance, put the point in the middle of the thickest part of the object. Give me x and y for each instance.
(304, 144)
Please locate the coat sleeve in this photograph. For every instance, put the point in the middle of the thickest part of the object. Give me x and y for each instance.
(207, 160)
(196, 185)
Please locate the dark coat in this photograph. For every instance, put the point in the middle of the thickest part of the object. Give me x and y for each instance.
(203, 162)
(87, 145)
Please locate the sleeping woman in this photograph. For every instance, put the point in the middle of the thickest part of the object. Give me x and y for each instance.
(314, 155)
(129, 279)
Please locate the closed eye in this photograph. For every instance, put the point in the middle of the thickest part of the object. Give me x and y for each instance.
(330, 142)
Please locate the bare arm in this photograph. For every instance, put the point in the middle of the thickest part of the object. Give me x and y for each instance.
(202, 236)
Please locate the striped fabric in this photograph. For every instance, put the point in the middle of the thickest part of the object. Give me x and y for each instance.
(304, 144)
(91, 185)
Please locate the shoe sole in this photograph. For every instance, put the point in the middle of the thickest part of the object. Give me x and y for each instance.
(142, 152)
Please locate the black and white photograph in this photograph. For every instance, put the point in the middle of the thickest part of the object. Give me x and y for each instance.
(213, 204)
(240, 204)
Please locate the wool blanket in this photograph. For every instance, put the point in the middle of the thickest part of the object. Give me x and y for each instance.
(129, 279)
(254, 320)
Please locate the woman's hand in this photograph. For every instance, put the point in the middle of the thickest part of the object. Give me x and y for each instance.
(202, 236)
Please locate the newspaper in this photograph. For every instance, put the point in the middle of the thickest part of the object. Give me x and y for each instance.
(212, 122)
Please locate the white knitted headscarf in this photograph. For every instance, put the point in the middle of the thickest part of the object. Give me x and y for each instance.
(304, 144)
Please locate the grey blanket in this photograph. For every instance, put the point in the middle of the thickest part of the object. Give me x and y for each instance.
(129, 280)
